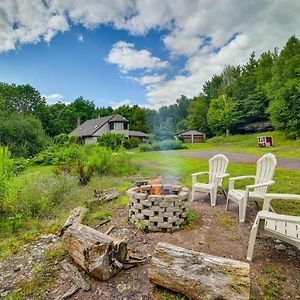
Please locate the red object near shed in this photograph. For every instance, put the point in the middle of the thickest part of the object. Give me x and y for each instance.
(265, 141)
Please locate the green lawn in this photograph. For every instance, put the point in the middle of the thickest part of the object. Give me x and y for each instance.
(283, 147)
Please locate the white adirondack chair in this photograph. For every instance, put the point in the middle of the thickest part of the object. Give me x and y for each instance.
(265, 170)
(217, 172)
(283, 227)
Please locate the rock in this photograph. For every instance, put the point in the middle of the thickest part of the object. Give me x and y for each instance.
(17, 268)
(121, 287)
(280, 247)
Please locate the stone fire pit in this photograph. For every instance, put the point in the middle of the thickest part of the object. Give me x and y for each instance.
(159, 207)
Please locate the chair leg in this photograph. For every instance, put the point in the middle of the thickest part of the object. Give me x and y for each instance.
(227, 202)
(252, 239)
(242, 210)
(193, 192)
(213, 197)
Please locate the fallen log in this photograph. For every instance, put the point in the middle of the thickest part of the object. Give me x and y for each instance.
(104, 195)
(76, 216)
(198, 275)
(99, 254)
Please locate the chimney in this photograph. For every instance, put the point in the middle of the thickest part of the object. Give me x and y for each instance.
(78, 121)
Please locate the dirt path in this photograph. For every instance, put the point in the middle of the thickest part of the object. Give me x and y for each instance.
(287, 163)
(217, 232)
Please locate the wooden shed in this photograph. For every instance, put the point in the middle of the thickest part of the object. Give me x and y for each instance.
(264, 141)
(191, 136)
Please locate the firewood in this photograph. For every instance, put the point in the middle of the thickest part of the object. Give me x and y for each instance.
(104, 195)
(68, 293)
(99, 254)
(75, 276)
(109, 230)
(198, 275)
(76, 216)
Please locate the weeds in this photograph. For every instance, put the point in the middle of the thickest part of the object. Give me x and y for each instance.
(271, 282)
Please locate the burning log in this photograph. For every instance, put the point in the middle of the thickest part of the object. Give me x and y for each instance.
(199, 275)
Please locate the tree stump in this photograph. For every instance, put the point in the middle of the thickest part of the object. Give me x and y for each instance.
(199, 275)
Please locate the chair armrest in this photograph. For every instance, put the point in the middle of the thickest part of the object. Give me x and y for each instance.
(222, 176)
(199, 173)
(195, 175)
(253, 186)
(266, 215)
(233, 179)
(270, 196)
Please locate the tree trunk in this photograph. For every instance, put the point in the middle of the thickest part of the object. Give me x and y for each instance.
(99, 254)
(199, 275)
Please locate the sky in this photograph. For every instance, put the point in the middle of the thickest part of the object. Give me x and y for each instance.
(145, 52)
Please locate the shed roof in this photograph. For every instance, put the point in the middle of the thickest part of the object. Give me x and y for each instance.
(189, 131)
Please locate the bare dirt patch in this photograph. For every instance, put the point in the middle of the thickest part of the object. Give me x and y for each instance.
(275, 273)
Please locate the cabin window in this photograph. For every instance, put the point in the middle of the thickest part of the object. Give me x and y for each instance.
(118, 126)
(111, 126)
(125, 126)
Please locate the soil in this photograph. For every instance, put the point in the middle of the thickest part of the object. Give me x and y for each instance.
(287, 163)
(215, 231)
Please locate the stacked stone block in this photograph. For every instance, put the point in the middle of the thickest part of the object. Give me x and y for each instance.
(158, 212)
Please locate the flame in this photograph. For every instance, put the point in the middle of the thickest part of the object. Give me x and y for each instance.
(156, 189)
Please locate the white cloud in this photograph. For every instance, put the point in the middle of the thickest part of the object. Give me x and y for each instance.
(128, 58)
(116, 104)
(192, 28)
(149, 79)
(80, 38)
(55, 98)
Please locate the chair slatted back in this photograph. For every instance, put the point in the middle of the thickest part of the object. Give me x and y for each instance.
(217, 166)
(265, 170)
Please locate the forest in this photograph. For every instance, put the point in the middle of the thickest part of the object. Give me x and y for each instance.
(264, 90)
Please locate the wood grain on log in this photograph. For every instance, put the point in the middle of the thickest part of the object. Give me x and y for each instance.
(199, 275)
(99, 254)
(76, 216)
(75, 275)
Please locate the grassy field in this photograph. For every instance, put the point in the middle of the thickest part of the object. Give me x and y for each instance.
(54, 196)
(283, 147)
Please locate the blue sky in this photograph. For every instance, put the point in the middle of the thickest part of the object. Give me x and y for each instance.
(131, 51)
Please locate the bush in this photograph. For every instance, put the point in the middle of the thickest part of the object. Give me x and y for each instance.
(6, 168)
(111, 140)
(61, 139)
(132, 142)
(100, 160)
(23, 135)
(164, 145)
(54, 155)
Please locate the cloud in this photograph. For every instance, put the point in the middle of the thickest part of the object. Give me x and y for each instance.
(80, 38)
(25, 21)
(207, 36)
(116, 104)
(55, 98)
(149, 79)
(128, 58)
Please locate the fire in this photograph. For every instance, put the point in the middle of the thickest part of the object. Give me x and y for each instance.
(156, 189)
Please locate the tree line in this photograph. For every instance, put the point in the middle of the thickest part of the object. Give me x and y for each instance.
(265, 89)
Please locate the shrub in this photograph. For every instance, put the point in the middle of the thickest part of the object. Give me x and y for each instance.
(55, 154)
(61, 139)
(111, 140)
(164, 145)
(6, 168)
(132, 142)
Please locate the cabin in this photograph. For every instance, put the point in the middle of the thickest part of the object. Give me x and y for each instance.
(90, 130)
(190, 136)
